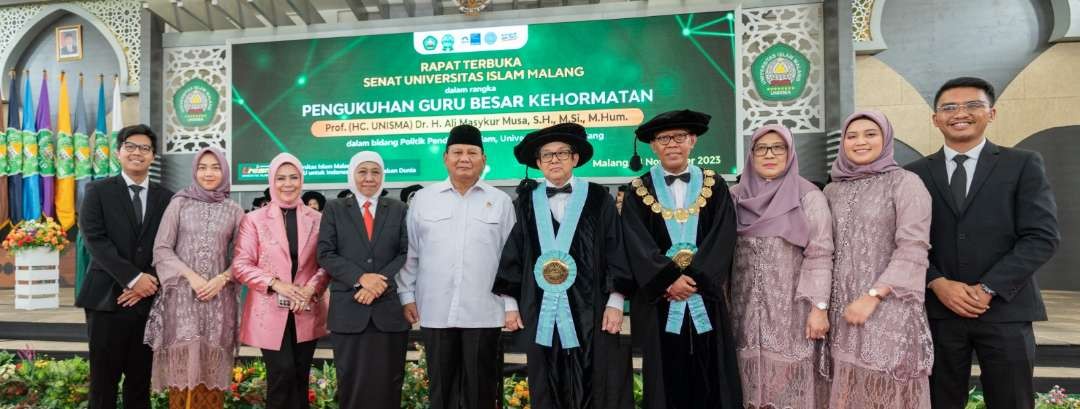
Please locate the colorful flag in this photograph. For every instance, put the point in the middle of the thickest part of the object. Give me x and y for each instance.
(117, 123)
(65, 160)
(98, 168)
(14, 155)
(84, 162)
(31, 180)
(12, 129)
(100, 143)
(46, 151)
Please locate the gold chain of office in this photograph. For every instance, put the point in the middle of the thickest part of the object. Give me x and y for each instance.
(680, 215)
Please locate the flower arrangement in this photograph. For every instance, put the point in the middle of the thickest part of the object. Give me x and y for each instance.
(414, 391)
(1056, 398)
(248, 388)
(323, 387)
(29, 234)
(515, 393)
(28, 380)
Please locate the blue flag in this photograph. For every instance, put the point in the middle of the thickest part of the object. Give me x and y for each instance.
(14, 155)
(28, 134)
(99, 139)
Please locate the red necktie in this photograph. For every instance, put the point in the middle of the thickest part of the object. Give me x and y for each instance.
(369, 220)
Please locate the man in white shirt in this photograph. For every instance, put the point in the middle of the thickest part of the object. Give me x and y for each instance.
(456, 233)
(564, 275)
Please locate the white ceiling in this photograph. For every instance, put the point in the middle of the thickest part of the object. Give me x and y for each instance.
(213, 15)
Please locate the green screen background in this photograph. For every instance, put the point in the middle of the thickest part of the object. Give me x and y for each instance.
(687, 60)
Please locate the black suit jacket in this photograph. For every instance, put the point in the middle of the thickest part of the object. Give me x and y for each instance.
(346, 253)
(1003, 232)
(119, 250)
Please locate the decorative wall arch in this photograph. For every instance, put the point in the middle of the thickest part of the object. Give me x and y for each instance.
(1066, 20)
(866, 26)
(47, 15)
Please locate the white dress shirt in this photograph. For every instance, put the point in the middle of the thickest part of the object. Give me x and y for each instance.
(142, 193)
(969, 164)
(455, 243)
(142, 196)
(557, 204)
(677, 188)
(361, 199)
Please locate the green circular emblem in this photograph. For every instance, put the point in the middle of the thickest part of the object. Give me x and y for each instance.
(196, 103)
(780, 73)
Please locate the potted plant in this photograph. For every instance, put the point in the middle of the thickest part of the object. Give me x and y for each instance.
(36, 245)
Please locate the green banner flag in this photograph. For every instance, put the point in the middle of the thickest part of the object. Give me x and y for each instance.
(46, 153)
(14, 151)
(114, 154)
(84, 162)
(101, 155)
(3, 151)
(30, 153)
(65, 156)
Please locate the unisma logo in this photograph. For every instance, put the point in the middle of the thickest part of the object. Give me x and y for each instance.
(470, 40)
(430, 43)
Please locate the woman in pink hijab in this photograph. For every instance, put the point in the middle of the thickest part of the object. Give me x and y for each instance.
(880, 339)
(783, 268)
(284, 313)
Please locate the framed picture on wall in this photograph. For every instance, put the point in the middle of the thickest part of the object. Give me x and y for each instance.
(69, 45)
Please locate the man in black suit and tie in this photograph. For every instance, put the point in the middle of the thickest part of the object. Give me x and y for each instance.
(362, 245)
(994, 224)
(119, 219)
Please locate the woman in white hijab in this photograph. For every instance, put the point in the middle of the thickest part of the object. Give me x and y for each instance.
(362, 245)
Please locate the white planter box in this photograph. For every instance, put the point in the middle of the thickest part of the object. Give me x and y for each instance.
(37, 279)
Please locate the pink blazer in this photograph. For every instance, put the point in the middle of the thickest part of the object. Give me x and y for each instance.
(262, 252)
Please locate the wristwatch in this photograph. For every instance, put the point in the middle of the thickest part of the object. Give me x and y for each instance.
(824, 306)
(987, 290)
(874, 293)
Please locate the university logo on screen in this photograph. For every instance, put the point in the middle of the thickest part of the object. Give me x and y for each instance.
(470, 40)
(780, 73)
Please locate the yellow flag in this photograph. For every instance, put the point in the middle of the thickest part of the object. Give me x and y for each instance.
(65, 160)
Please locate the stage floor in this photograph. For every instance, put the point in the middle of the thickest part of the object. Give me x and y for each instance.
(1063, 307)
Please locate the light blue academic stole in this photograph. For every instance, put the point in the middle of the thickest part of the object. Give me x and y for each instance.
(683, 235)
(555, 270)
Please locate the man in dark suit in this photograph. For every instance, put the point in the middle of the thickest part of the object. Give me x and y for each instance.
(119, 219)
(362, 245)
(994, 224)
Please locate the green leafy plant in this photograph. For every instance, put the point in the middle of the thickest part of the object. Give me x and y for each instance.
(515, 393)
(28, 380)
(414, 391)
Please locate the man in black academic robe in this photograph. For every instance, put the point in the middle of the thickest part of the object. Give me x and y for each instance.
(689, 369)
(598, 373)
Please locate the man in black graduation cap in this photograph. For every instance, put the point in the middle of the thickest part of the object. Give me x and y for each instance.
(563, 276)
(679, 227)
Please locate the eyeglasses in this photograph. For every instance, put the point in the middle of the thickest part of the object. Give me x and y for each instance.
(667, 139)
(762, 150)
(969, 106)
(132, 147)
(562, 155)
